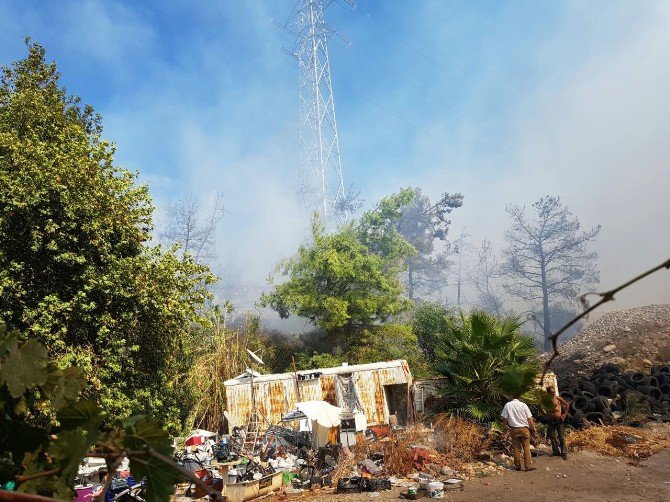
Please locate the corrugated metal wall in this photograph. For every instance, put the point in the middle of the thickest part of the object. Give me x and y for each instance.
(276, 397)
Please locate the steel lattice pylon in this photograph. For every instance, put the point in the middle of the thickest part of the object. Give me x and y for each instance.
(321, 179)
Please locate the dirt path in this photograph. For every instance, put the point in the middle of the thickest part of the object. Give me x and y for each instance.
(584, 477)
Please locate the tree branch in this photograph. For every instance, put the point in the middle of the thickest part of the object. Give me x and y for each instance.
(45, 474)
(605, 297)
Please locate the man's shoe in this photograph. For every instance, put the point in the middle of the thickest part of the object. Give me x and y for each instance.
(564, 455)
(517, 468)
(530, 468)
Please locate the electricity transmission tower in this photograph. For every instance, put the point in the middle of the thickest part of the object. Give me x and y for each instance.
(321, 185)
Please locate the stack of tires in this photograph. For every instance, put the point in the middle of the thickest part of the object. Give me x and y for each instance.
(609, 390)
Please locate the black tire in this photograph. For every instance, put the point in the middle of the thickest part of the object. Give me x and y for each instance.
(652, 392)
(623, 383)
(598, 379)
(610, 368)
(662, 379)
(665, 369)
(577, 416)
(568, 396)
(587, 386)
(580, 403)
(665, 389)
(637, 377)
(588, 395)
(606, 391)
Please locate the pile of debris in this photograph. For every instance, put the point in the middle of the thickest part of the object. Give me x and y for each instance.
(634, 339)
(608, 395)
(416, 457)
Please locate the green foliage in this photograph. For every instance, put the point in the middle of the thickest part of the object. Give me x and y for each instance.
(487, 361)
(378, 232)
(430, 322)
(305, 361)
(338, 284)
(42, 458)
(76, 269)
(389, 342)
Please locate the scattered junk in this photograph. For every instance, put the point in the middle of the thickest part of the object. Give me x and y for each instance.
(123, 487)
(348, 429)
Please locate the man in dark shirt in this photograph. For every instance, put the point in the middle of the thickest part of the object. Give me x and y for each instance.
(556, 423)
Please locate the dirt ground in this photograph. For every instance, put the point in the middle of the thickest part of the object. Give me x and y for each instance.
(584, 476)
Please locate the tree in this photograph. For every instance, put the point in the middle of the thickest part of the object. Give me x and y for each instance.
(338, 284)
(486, 361)
(431, 321)
(548, 257)
(377, 230)
(422, 224)
(195, 233)
(76, 269)
(561, 314)
(487, 273)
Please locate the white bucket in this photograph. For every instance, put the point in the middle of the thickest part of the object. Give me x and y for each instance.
(436, 490)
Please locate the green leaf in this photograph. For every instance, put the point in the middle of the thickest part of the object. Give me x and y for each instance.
(140, 433)
(67, 387)
(84, 414)
(160, 477)
(25, 367)
(68, 450)
(144, 432)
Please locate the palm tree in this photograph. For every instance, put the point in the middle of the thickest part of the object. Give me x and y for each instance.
(486, 361)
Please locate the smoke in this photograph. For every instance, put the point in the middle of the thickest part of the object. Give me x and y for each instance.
(569, 99)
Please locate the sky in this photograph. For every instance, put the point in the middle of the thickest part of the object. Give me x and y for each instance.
(501, 101)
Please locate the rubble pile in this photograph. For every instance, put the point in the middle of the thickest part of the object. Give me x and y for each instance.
(634, 339)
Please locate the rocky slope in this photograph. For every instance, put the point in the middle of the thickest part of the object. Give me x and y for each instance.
(635, 339)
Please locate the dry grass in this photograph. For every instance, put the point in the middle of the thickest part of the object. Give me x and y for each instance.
(459, 440)
(222, 358)
(618, 441)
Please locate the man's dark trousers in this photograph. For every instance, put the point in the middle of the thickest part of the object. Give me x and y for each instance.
(556, 433)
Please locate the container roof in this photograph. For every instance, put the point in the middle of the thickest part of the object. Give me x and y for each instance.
(337, 370)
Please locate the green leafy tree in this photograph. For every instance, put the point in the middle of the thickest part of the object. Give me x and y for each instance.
(76, 268)
(486, 361)
(338, 284)
(430, 322)
(378, 231)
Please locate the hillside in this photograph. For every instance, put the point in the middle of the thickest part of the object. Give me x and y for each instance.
(635, 339)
